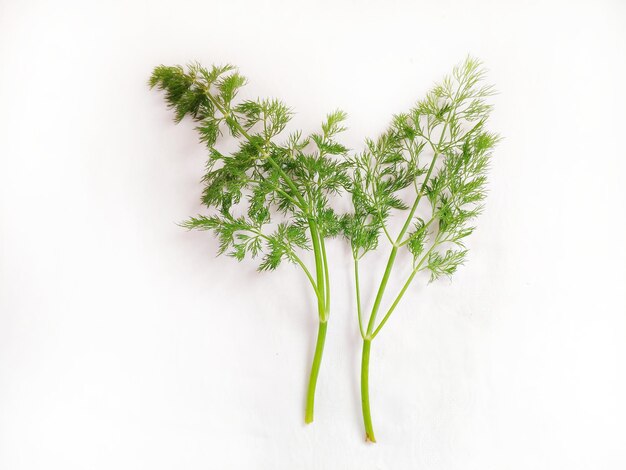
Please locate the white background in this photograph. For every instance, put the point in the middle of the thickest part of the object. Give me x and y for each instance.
(125, 344)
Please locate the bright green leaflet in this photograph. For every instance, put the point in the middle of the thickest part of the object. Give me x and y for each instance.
(269, 199)
(438, 153)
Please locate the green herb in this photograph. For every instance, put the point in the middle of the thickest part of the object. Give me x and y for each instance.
(439, 153)
(269, 199)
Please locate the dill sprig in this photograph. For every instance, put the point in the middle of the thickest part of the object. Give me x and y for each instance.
(269, 199)
(440, 151)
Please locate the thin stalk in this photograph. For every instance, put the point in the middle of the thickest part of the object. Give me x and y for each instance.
(401, 293)
(371, 330)
(365, 394)
(381, 291)
(405, 227)
(394, 250)
(395, 302)
(278, 190)
(387, 234)
(321, 269)
(308, 275)
(323, 305)
(326, 276)
(315, 370)
(358, 295)
(300, 263)
(408, 239)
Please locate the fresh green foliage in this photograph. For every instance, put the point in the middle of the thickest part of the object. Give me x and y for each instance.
(269, 199)
(263, 178)
(438, 153)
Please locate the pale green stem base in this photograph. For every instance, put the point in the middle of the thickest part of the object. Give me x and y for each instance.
(315, 369)
(365, 392)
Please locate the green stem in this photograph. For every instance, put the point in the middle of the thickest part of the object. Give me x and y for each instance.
(381, 290)
(395, 303)
(365, 393)
(326, 276)
(298, 261)
(371, 326)
(394, 250)
(315, 369)
(405, 227)
(358, 296)
(323, 312)
(323, 289)
(405, 287)
(319, 271)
